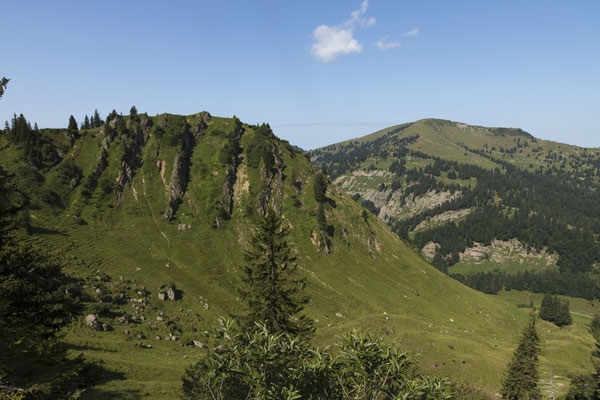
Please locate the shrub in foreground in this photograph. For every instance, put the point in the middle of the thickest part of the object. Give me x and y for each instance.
(256, 364)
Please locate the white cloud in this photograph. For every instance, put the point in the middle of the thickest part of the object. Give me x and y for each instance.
(357, 17)
(332, 42)
(411, 33)
(384, 44)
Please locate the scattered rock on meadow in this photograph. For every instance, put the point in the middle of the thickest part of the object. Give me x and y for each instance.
(92, 321)
(172, 293)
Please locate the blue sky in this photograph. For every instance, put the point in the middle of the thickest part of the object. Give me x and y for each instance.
(317, 71)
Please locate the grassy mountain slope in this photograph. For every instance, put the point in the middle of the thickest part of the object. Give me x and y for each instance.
(447, 140)
(517, 203)
(109, 226)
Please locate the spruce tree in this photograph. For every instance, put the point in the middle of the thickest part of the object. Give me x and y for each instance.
(86, 123)
(548, 307)
(272, 288)
(521, 379)
(563, 317)
(97, 121)
(72, 124)
(321, 218)
(320, 187)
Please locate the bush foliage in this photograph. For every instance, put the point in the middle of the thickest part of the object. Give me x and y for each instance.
(259, 364)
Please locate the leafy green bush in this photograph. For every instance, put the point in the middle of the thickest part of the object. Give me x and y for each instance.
(256, 364)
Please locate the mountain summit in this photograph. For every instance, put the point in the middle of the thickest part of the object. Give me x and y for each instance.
(494, 207)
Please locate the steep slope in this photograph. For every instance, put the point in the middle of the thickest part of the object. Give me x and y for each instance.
(478, 199)
(146, 209)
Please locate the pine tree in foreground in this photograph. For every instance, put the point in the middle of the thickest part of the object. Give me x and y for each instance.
(36, 301)
(272, 288)
(521, 379)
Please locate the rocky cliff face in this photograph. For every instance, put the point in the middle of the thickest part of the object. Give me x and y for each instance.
(101, 162)
(133, 138)
(227, 197)
(272, 177)
(180, 175)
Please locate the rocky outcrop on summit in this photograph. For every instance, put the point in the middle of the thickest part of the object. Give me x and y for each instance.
(204, 119)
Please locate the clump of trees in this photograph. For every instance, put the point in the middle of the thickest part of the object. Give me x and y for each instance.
(37, 148)
(369, 205)
(92, 122)
(548, 281)
(555, 310)
(486, 282)
(266, 353)
(259, 148)
(521, 378)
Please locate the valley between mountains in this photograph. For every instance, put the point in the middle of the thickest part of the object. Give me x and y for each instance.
(152, 215)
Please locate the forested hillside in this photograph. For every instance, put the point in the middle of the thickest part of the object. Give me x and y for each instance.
(493, 207)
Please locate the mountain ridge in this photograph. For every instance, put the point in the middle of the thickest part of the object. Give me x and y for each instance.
(101, 199)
